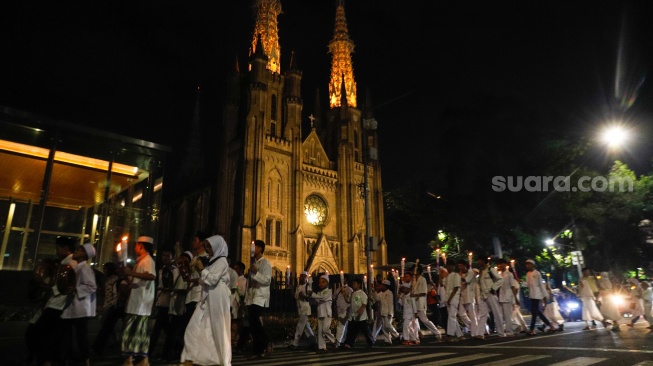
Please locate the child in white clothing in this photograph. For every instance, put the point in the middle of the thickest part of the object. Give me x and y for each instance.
(411, 337)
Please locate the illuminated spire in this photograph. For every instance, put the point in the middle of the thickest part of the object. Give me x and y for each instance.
(266, 13)
(341, 47)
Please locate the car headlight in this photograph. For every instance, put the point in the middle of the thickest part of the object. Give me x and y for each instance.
(572, 305)
(617, 300)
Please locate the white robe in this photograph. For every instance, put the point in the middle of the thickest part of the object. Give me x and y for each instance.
(207, 340)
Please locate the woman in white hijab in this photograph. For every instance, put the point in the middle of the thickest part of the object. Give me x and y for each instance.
(609, 307)
(207, 340)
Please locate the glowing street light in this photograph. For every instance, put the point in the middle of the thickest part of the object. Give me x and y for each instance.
(614, 136)
(549, 242)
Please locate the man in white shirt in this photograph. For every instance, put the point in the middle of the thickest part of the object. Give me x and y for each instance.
(49, 326)
(467, 307)
(536, 293)
(324, 298)
(344, 312)
(452, 285)
(303, 310)
(135, 340)
(83, 305)
(258, 298)
(489, 282)
(507, 295)
(418, 292)
(387, 312)
(358, 301)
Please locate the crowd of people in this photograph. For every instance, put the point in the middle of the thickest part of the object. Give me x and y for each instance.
(209, 308)
(464, 303)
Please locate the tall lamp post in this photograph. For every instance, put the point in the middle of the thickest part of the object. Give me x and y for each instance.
(367, 124)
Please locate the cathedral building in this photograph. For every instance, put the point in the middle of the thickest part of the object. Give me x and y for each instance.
(302, 192)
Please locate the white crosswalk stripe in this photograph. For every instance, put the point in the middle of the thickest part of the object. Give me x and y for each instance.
(387, 358)
(455, 360)
(580, 361)
(394, 361)
(516, 360)
(303, 357)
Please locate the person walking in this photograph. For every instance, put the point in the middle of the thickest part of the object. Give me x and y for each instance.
(489, 283)
(467, 307)
(174, 342)
(83, 306)
(359, 319)
(135, 340)
(418, 292)
(387, 312)
(452, 284)
(609, 308)
(343, 310)
(586, 294)
(324, 299)
(537, 294)
(258, 298)
(508, 296)
(304, 311)
(48, 328)
(208, 336)
(113, 308)
(166, 279)
(410, 331)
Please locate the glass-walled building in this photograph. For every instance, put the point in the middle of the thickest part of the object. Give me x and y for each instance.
(62, 179)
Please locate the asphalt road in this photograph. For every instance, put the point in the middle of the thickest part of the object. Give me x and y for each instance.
(631, 346)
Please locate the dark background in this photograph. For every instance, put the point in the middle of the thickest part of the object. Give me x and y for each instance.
(134, 67)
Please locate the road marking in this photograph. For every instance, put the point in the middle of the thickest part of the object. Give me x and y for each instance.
(406, 359)
(580, 361)
(500, 345)
(516, 360)
(312, 358)
(451, 361)
(527, 339)
(282, 358)
(366, 358)
(644, 363)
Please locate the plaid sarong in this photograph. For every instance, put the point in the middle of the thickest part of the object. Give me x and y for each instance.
(135, 338)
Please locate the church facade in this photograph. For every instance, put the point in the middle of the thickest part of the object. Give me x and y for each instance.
(302, 192)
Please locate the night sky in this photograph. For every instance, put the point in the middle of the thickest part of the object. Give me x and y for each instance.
(133, 67)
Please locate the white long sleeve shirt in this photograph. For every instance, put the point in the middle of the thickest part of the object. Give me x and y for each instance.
(536, 289)
(303, 306)
(259, 284)
(489, 279)
(387, 303)
(84, 302)
(506, 293)
(467, 288)
(324, 300)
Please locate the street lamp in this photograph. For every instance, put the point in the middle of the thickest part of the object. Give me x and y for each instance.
(367, 124)
(614, 136)
(549, 242)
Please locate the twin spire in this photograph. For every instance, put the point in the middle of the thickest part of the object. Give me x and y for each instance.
(266, 28)
(342, 71)
(342, 87)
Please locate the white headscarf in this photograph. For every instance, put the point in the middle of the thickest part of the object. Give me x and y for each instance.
(219, 246)
(605, 282)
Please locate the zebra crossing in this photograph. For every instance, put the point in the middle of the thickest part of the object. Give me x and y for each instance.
(414, 357)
